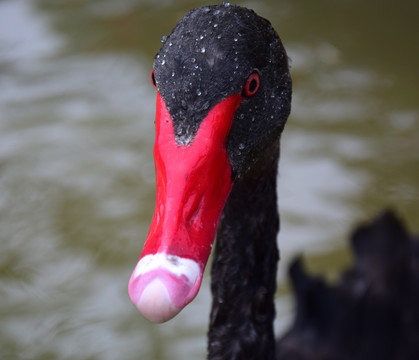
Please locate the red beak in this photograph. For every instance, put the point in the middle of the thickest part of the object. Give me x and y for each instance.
(193, 184)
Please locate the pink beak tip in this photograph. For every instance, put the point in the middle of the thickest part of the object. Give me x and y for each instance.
(155, 303)
(161, 286)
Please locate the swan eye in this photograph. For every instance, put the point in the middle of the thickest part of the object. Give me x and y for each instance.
(252, 84)
(153, 79)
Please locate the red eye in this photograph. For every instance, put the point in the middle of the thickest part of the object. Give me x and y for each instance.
(252, 85)
(153, 79)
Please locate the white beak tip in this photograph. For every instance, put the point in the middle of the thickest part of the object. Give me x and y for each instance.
(162, 285)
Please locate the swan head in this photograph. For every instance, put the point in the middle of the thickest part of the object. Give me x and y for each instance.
(223, 97)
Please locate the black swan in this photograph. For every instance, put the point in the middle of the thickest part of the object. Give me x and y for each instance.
(223, 98)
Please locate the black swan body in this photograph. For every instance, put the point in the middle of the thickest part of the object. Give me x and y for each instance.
(372, 312)
(223, 98)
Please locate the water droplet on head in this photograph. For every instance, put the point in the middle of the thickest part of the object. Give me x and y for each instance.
(170, 43)
(241, 146)
(198, 92)
(163, 62)
(206, 105)
(226, 3)
(219, 36)
(215, 25)
(235, 39)
(201, 37)
(202, 50)
(163, 38)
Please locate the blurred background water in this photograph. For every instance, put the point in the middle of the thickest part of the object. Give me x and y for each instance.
(77, 173)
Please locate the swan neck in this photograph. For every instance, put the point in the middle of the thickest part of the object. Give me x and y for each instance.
(244, 269)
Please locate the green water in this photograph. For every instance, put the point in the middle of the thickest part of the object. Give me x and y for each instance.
(77, 174)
